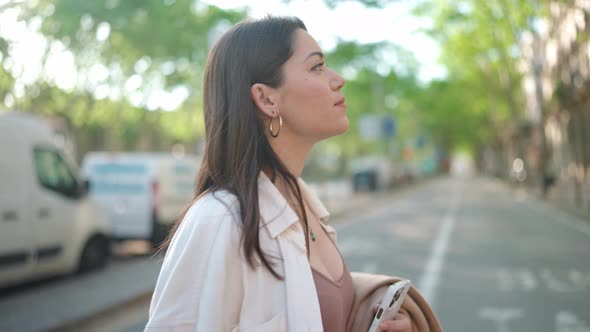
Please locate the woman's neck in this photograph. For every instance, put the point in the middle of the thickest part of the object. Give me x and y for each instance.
(292, 153)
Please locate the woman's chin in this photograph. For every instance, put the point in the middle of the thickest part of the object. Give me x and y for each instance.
(342, 128)
(345, 126)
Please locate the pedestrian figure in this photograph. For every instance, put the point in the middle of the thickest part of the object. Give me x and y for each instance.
(253, 251)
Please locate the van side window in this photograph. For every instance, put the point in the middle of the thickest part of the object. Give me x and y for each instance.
(54, 173)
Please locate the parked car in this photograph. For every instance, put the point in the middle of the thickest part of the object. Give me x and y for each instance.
(48, 224)
(144, 193)
(372, 173)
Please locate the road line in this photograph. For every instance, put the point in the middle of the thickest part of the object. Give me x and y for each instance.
(501, 316)
(529, 282)
(567, 321)
(554, 284)
(430, 279)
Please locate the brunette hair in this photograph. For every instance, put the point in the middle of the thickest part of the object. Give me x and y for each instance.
(237, 149)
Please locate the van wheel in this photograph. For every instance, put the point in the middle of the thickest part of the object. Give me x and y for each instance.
(95, 255)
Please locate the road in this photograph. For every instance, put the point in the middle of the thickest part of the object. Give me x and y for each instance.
(487, 257)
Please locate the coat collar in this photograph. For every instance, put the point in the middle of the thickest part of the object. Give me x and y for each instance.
(276, 214)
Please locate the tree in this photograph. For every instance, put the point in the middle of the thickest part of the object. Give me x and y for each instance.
(6, 78)
(161, 44)
(481, 49)
(138, 49)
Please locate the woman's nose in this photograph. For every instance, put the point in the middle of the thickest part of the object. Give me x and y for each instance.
(337, 82)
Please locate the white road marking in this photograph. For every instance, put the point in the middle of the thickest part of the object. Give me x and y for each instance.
(579, 279)
(501, 316)
(566, 321)
(529, 282)
(555, 284)
(521, 280)
(429, 280)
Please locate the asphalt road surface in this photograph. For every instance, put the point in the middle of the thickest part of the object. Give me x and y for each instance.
(487, 257)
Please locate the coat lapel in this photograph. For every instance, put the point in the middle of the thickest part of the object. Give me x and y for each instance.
(277, 217)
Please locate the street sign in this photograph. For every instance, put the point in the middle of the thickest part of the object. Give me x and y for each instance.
(388, 126)
(373, 127)
(369, 127)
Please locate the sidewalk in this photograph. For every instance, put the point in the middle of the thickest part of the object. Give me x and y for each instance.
(76, 298)
(561, 196)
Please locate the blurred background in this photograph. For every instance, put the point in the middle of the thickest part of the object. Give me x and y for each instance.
(468, 155)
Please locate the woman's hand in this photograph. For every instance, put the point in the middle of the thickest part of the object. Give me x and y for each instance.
(399, 323)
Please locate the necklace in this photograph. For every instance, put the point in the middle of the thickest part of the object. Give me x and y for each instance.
(313, 237)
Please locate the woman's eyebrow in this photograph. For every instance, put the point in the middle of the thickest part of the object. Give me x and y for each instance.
(318, 53)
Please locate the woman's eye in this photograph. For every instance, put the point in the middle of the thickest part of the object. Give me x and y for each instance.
(318, 66)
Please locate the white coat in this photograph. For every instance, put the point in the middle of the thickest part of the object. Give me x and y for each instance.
(205, 283)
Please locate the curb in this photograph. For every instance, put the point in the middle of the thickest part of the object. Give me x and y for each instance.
(534, 192)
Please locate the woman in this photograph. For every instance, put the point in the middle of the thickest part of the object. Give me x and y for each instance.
(252, 252)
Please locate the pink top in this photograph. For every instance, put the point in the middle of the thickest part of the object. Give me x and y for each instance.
(336, 299)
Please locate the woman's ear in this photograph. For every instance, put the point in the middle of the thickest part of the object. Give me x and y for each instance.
(264, 97)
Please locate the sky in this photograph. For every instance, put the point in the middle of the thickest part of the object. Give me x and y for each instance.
(349, 21)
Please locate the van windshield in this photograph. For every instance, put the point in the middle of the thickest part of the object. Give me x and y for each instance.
(54, 173)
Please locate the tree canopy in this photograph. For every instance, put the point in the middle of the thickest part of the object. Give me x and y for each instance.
(126, 51)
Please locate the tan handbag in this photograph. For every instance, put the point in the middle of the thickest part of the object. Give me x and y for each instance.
(369, 290)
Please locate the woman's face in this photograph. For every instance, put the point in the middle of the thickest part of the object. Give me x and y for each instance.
(310, 100)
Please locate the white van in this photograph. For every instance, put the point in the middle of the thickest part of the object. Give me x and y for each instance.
(144, 193)
(48, 225)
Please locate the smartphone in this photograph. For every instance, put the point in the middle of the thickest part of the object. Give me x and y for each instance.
(391, 303)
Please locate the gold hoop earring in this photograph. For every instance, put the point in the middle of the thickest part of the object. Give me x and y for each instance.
(279, 130)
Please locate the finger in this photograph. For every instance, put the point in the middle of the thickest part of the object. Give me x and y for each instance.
(400, 323)
(398, 316)
(375, 308)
